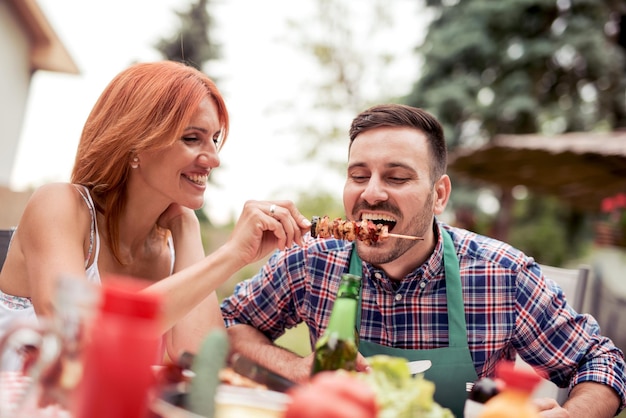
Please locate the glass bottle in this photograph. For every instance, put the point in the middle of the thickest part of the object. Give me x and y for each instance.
(482, 390)
(514, 400)
(337, 348)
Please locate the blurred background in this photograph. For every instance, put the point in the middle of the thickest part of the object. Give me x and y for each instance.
(532, 94)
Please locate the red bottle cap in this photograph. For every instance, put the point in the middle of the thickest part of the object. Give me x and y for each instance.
(523, 379)
(122, 295)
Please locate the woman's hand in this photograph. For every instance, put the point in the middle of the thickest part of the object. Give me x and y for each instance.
(175, 216)
(265, 226)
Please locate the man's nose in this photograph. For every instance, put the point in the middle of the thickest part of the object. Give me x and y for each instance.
(374, 191)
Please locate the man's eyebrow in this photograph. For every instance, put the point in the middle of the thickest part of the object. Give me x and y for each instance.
(400, 165)
(357, 164)
(360, 164)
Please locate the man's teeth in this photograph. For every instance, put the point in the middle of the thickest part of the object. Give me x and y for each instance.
(377, 217)
(200, 179)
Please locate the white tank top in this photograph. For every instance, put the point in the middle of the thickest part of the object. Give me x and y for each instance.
(14, 308)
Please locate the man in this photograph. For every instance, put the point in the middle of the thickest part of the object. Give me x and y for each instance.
(462, 300)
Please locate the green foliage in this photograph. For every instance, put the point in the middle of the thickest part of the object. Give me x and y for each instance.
(349, 70)
(297, 340)
(524, 66)
(540, 230)
(192, 42)
(534, 55)
(320, 203)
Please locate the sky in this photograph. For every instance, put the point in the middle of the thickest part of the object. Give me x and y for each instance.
(259, 72)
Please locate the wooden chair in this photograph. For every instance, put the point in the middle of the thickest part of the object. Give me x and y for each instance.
(573, 282)
(5, 239)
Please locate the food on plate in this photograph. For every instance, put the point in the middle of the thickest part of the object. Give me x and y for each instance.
(229, 376)
(364, 230)
(332, 394)
(398, 393)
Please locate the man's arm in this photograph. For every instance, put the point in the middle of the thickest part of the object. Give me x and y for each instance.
(250, 342)
(592, 400)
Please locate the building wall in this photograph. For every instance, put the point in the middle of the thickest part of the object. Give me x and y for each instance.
(15, 76)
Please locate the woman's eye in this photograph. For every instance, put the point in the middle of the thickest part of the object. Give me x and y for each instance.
(190, 139)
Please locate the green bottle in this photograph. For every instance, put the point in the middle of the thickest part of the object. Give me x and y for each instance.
(338, 346)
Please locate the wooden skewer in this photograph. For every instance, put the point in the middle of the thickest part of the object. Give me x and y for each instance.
(389, 234)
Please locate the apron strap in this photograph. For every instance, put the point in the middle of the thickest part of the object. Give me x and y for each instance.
(457, 329)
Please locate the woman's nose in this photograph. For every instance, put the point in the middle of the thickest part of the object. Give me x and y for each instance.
(208, 157)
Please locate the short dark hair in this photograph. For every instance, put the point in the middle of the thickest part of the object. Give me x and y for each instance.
(398, 115)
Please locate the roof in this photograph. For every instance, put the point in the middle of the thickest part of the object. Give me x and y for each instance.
(47, 50)
(581, 168)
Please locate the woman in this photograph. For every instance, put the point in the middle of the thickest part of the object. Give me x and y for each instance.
(145, 153)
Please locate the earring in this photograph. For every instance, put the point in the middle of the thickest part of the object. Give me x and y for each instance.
(135, 162)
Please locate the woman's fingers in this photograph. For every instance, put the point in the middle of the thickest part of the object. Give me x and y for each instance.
(294, 225)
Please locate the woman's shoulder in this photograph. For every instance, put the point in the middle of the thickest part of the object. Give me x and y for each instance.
(56, 199)
(60, 191)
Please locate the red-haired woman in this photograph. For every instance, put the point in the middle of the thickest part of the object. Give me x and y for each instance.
(145, 153)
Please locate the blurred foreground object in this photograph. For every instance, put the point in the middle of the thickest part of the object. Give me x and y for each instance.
(119, 357)
(399, 394)
(513, 401)
(333, 395)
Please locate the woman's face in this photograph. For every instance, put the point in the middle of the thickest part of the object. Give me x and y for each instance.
(180, 172)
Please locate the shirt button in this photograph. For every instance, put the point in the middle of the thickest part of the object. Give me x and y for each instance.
(398, 297)
(422, 284)
(378, 275)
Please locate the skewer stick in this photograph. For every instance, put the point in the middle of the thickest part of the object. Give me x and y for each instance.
(389, 234)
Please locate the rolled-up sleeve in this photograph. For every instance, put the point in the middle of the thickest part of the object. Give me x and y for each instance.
(565, 344)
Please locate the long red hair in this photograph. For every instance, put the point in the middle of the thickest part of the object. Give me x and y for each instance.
(145, 107)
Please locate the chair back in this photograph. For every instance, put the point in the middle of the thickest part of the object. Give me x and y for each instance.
(573, 282)
(5, 240)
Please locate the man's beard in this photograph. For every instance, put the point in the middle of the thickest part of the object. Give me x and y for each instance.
(418, 227)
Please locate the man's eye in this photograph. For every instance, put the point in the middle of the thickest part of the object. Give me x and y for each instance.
(359, 179)
(398, 179)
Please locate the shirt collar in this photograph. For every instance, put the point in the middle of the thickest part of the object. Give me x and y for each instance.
(431, 269)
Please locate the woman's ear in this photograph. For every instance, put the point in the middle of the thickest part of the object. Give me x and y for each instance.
(441, 191)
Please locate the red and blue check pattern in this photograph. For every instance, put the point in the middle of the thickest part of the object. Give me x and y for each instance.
(509, 307)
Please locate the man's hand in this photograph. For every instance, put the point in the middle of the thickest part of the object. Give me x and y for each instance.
(550, 408)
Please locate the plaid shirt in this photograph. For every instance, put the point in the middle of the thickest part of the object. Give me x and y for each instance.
(509, 307)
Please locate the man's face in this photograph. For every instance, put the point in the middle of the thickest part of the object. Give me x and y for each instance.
(388, 181)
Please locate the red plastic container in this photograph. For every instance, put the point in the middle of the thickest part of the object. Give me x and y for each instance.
(124, 345)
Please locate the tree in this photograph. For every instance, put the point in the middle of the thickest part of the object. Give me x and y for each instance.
(521, 66)
(353, 65)
(192, 43)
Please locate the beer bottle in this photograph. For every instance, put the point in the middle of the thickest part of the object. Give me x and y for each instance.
(338, 346)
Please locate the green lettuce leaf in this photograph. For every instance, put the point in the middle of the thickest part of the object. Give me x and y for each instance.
(398, 394)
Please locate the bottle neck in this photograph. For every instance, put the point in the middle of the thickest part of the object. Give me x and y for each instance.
(343, 318)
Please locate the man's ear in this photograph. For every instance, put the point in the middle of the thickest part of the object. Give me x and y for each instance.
(441, 191)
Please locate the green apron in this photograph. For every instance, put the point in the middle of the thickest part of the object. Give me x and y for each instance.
(452, 366)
